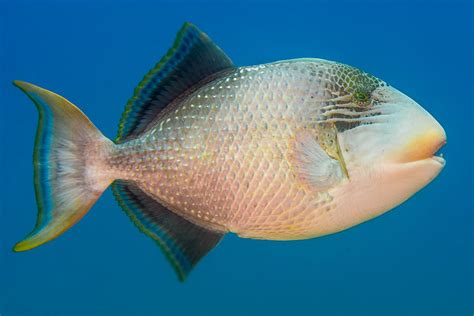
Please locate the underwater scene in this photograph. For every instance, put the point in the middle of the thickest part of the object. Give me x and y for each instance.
(236, 157)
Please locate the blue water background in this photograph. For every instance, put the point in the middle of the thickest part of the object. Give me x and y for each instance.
(414, 260)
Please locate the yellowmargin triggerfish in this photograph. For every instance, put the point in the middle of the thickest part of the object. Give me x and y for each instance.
(288, 150)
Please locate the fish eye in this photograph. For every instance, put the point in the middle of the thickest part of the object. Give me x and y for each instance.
(361, 96)
(357, 83)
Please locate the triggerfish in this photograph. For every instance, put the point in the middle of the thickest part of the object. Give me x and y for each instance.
(288, 150)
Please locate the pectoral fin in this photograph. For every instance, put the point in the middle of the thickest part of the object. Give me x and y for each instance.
(313, 165)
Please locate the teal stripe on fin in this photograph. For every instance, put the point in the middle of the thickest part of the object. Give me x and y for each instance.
(183, 242)
(192, 59)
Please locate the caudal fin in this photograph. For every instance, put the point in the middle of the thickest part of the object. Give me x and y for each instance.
(69, 173)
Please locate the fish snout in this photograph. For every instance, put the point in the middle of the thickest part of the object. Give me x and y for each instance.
(421, 136)
(424, 145)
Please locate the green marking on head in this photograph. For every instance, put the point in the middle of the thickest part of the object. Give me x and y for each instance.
(356, 82)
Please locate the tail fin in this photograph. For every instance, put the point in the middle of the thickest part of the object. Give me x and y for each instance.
(69, 172)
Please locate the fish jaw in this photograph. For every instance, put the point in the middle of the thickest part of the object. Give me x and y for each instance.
(370, 194)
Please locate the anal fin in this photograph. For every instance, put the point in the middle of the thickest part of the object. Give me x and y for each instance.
(183, 242)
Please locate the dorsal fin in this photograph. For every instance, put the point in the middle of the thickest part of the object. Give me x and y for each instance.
(193, 58)
(183, 242)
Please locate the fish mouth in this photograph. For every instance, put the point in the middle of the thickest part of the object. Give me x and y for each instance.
(424, 147)
(437, 154)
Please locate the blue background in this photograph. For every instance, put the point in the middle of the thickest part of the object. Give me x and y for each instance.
(417, 259)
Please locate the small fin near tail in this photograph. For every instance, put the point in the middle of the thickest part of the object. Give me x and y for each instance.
(68, 174)
(183, 242)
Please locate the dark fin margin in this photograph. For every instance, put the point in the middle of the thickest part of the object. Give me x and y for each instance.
(192, 58)
(183, 242)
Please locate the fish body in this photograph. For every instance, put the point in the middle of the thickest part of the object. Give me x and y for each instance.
(222, 157)
(287, 150)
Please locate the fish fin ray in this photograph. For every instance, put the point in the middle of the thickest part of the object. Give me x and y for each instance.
(192, 59)
(312, 164)
(66, 184)
(183, 243)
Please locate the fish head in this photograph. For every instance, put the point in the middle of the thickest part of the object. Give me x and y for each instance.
(387, 143)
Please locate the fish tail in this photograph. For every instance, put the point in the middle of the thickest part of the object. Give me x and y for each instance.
(69, 165)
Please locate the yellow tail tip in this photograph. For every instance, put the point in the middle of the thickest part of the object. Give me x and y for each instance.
(33, 240)
(20, 84)
(29, 87)
(24, 245)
